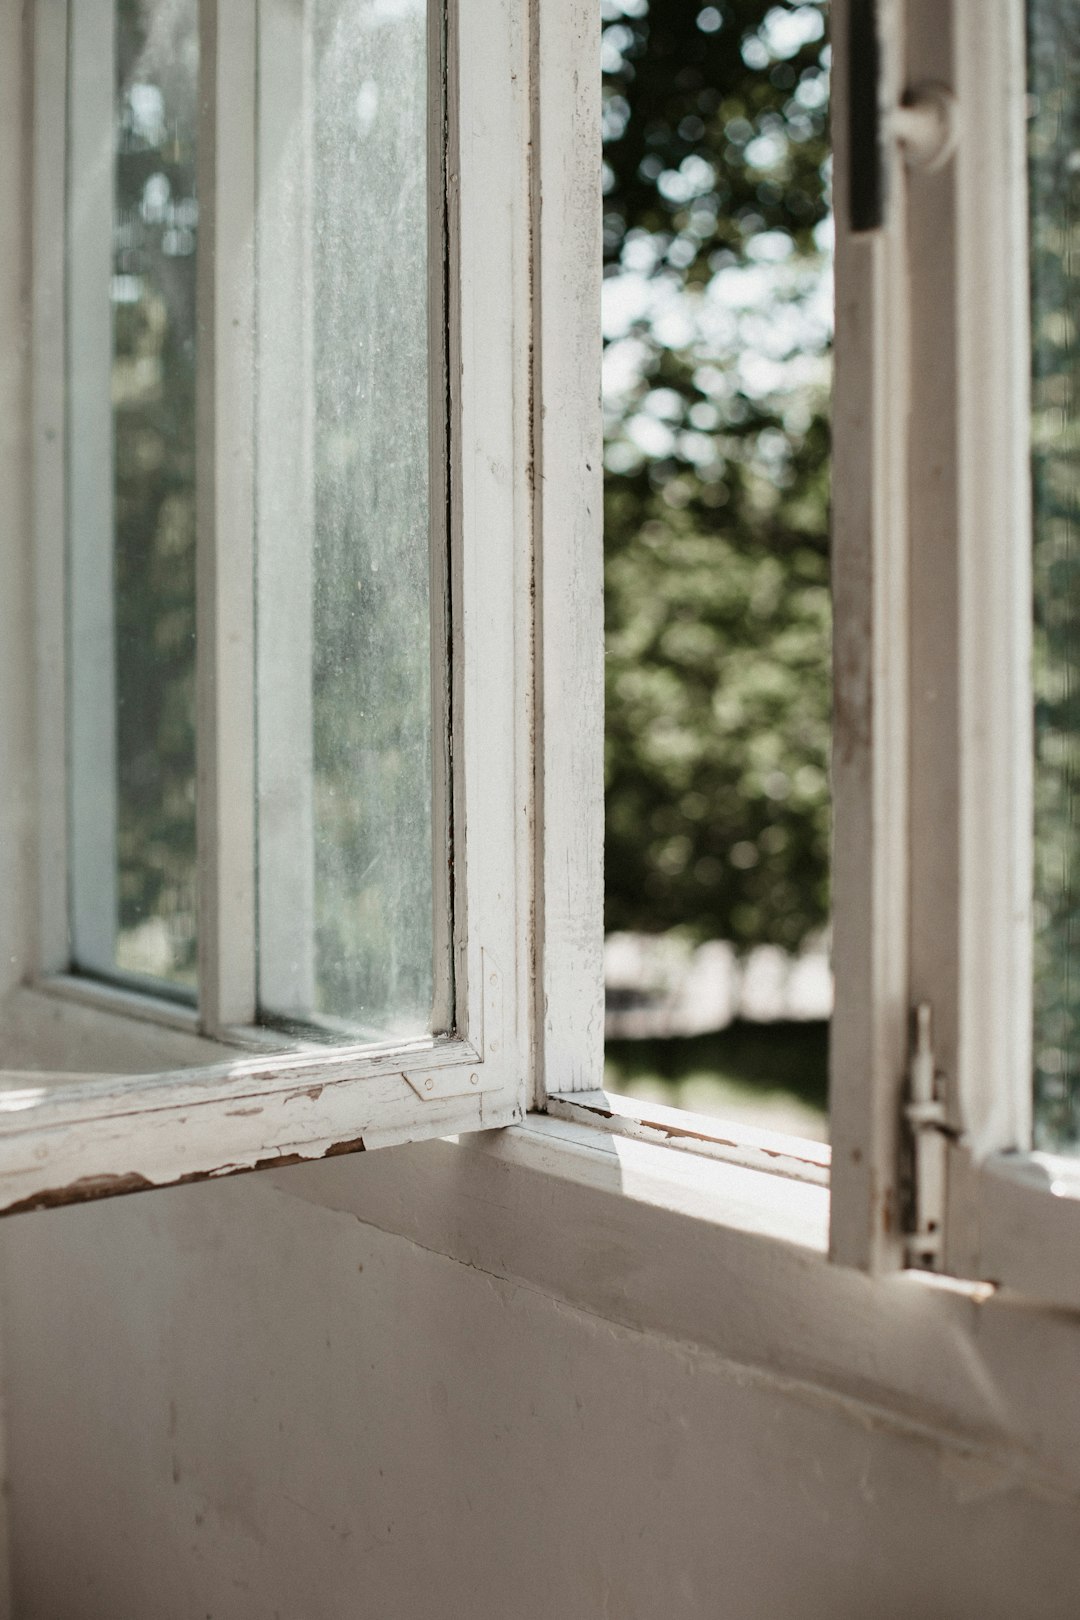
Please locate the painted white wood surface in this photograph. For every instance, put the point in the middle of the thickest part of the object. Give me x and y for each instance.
(285, 507)
(18, 806)
(568, 475)
(91, 688)
(48, 451)
(972, 702)
(69, 1132)
(220, 1110)
(870, 671)
(704, 1134)
(225, 514)
(1021, 1222)
(491, 611)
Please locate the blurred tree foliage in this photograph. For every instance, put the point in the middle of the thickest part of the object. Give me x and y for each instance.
(716, 387)
(153, 405)
(1054, 150)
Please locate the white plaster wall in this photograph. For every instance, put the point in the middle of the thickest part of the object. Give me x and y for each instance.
(234, 1401)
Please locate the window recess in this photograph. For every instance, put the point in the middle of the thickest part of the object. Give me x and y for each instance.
(281, 560)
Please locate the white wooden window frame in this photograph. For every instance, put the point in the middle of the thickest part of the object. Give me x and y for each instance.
(103, 1090)
(933, 765)
(933, 759)
(570, 631)
(932, 773)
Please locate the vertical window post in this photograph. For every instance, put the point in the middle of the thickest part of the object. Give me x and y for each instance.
(286, 512)
(971, 704)
(568, 518)
(92, 758)
(225, 668)
(870, 661)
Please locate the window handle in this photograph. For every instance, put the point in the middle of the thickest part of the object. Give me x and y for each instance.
(924, 124)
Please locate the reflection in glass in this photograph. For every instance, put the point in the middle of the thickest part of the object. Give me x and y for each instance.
(344, 503)
(132, 231)
(1054, 81)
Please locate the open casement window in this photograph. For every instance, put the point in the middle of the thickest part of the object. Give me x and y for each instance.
(272, 895)
(955, 134)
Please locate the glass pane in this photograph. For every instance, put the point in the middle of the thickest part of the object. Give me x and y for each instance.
(345, 502)
(131, 346)
(1054, 76)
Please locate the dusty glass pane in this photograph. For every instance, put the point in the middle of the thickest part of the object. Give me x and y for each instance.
(344, 631)
(1054, 78)
(131, 344)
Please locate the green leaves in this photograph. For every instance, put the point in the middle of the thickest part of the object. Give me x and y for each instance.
(718, 323)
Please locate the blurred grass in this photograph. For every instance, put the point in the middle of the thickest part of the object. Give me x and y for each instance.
(773, 1075)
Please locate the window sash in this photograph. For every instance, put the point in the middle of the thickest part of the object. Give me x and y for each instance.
(868, 1039)
(65, 1134)
(933, 328)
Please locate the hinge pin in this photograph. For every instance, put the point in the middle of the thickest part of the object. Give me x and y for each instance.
(925, 1114)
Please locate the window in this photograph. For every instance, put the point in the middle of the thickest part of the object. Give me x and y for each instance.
(376, 914)
(280, 371)
(931, 1118)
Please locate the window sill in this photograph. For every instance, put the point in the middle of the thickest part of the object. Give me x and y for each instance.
(793, 1157)
(732, 1260)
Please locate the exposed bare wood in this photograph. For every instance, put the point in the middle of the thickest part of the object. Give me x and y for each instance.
(696, 1133)
(444, 424)
(44, 1163)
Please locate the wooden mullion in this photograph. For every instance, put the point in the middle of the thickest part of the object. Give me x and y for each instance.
(225, 598)
(49, 62)
(870, 663)
(91, 684)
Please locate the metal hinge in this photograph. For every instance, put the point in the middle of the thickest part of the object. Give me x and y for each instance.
(926, 1117)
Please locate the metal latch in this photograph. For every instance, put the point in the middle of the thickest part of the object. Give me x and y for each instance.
(925, 1114)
